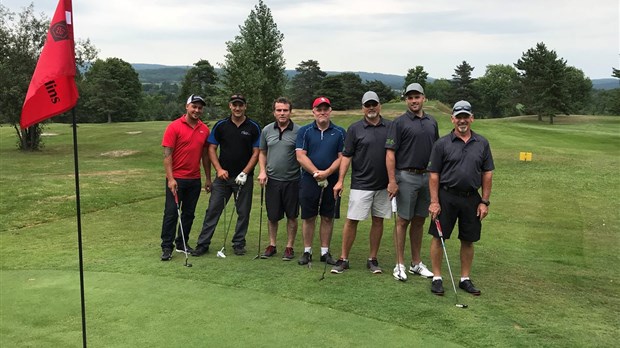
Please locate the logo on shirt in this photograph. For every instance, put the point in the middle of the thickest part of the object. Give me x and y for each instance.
(245, 133)
(389, 141)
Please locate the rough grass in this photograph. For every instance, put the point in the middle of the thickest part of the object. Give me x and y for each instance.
(547, 261)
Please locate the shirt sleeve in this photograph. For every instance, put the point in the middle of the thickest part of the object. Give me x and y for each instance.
(391, 142)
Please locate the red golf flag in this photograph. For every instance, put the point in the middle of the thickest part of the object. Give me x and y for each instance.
(52, 89)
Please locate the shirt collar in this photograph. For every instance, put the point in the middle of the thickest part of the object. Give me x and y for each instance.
(289, 127)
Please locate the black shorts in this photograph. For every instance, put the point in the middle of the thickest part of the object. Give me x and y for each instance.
(282, 197)
(463, 208)
(309, 193)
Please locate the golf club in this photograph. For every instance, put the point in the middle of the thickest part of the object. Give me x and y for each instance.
(443, 245)
(318, 213)
(329, 242)
(176, 201)
(260, 222)
(221, 253)
(396, 240)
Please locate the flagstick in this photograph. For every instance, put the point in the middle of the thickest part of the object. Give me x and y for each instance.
(79, 226)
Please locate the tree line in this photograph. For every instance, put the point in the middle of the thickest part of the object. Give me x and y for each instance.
(539, 83)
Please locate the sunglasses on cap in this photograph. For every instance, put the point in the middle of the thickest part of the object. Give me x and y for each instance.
(371, 103)
(461, 108)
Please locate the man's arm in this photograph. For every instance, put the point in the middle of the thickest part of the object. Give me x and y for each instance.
(215, 162)
(172, 183)
(262, 164)
(433, 187)
(487, 183)
(253, 160)
(390, 164)
(206, 165)
(305, 162)
(344, 166)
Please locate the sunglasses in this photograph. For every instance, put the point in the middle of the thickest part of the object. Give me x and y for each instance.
(462, 108)
(369, 104)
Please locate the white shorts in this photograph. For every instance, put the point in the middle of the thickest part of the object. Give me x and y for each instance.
(362, 202)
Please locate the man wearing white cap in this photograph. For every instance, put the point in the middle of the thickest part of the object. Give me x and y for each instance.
(461, 162)
(364, 151)
(409, 143)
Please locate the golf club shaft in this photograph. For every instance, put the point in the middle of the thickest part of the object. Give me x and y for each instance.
(176, 201)
(329, 242)
(260, 220)
(443, 245)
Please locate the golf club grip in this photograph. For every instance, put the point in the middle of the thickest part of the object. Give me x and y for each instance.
(438, 225)
(176, 198)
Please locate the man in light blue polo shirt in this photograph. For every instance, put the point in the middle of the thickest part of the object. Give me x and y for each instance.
(319, 150)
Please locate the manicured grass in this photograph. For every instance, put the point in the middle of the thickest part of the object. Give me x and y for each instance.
(547, 261)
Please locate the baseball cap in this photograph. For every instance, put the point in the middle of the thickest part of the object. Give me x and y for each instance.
(414, 87)
(370, 95)
(462, 107)
(196, 99)
(237, 98)
(321, 100)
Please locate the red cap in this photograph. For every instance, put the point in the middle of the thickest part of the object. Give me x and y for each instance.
(321, 100)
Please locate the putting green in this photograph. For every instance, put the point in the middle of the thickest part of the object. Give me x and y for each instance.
(150, 311)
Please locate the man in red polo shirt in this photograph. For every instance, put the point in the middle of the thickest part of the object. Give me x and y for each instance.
(185, 144)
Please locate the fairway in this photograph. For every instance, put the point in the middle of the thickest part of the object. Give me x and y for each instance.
(547, 263)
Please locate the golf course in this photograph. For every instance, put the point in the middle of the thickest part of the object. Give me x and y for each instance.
(547, 263)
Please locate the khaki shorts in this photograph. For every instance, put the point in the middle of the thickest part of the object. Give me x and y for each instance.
(362, 202)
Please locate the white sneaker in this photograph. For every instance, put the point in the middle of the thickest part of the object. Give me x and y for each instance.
(400, 272)
(420, 269)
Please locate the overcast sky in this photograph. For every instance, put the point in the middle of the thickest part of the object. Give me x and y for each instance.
(386, 36)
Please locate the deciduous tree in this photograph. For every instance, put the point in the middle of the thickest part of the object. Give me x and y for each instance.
(202, 80)
(416, 74)
(498, 90)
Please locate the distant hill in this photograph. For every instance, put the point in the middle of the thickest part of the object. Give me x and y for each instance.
(157, 73)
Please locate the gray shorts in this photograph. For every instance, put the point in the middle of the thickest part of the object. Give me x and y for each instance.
(362, 202)
(413, 197)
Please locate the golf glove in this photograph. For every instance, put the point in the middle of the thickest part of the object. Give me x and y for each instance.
(241, 178)
(322, 183)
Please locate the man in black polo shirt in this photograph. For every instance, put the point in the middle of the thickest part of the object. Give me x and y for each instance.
(238, 139)
(364, 150)
(461, 162)
(409, 144)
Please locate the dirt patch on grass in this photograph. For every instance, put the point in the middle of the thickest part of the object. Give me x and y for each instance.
(133, 132)
(114, 173)
(48, 134)
(119, 153)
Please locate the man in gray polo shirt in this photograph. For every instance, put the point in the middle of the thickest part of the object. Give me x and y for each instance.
(279, 174)
(409, 143)
(364, 150)
(461, 162)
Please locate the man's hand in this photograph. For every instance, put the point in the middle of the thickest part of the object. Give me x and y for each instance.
(322, 184)
(241, 178)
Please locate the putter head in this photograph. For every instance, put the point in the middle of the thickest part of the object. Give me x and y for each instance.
(221, 254)
(460, 305)
(188, 264)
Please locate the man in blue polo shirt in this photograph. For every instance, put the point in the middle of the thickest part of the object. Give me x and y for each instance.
(237, 137)
(319, 149)
(364, 150)
(409, 143)
(461, 163)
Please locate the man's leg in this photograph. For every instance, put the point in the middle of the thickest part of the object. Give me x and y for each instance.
(189, 192)
(291, 228)
(376, 232)
(273, 232)
(467, 257)
(220, 194)
(415, 238)
(436, 256)
(326, 228)
(401, 229)
(244, 205)
(307, 230)
(169, 221)
(348, 237)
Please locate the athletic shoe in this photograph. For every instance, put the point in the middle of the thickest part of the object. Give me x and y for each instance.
(327, 257)
(468, 286)
(269, 252)
(373, 266)
(400, 273)
(239, 250)
(288, 255)
(305, 259)
(421, 270)
(188, 249)
(166, 254)
(437, 287)
(200, 250)
(340, 266)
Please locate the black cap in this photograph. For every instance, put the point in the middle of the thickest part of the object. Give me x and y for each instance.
(237, 98)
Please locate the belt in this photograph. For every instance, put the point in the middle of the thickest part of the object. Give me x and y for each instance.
(414, 170)
(459, 193)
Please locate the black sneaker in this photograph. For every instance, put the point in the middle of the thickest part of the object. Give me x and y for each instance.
(166, 254)
(305, 259)
(288, 255)
(437, 287)
(468, 286)
(188, 249)
(373, 266)
(269, 252)
(200, 250)
(340, 266)
(327, 257)
(239, 250)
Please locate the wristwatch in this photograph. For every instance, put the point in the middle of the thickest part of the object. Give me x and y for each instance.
(485, 202)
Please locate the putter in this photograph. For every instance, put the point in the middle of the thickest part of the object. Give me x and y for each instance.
(221, 253)
(396, 240)
(456, 296)
(260, 222)
(176, 200)
(329, 242)
(318, 213)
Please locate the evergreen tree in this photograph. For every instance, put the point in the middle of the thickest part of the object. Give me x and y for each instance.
(306, 83)
(254, 64)
(416, 74)
(384, 91)
(463, 84)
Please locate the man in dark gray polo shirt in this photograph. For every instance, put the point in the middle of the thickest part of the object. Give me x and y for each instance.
(409, 143)
(279, 174)
(364, 150)
(461, 162)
